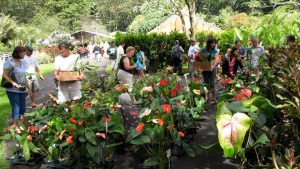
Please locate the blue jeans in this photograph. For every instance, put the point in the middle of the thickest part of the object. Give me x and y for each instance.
(18, 103)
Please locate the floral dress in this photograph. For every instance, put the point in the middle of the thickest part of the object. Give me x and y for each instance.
(139, 61)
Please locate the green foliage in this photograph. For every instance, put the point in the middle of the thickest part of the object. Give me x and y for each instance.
(152, 14)
(157, 48)
(8, 28)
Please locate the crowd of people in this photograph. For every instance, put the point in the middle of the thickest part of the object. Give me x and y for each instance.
(232, 64)
(21, 71)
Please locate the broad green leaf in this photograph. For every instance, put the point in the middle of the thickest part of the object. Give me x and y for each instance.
(222, 109)
(263, 139)
(113, 145)
(212, 147)
(236, 106)
(33, 148)
(90, 136)
(140, 140)
(188, 149)
(261, 103)
(32, 114)
(82, 139)
(151, 162)
(58, 124)
(94, 152)
(26, 150)
(231, 132)
(132, 134)
(64, 144)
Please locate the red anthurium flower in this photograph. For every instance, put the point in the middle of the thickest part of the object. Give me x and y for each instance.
(160, 122)
(166, 108)
(105, 119)
(32, 129)
(69, 140)
(163, 83)
(81, 122)
(101, 135)
(86, 105)
(173, 92)
(196, 79)
(246, 92)
(243, 94)
(170, 127)
(227, 81)
(117, 88)
(177, 86)
(140, 127)
(73, 120)
(134, 113)
(180, 134)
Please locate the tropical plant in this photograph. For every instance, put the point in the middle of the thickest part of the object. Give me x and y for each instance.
(8, 28)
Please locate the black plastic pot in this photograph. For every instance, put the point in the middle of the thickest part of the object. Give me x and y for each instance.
(55, 165)
(19, 160)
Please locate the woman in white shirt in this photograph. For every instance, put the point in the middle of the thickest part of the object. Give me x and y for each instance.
(67, 90)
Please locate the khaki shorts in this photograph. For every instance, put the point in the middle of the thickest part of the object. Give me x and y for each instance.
(34, 85)
(68, 95)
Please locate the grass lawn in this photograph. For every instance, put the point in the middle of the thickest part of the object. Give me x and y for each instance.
(5, 110)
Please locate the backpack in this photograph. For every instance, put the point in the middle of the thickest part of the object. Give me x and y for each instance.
(176, 52)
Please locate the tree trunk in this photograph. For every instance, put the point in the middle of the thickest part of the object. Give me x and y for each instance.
(191, 4)
(178, 11)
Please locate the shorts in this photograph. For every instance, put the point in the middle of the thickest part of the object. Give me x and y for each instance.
(34, 85)
(126, 78)
(209, 78)
(68, 95)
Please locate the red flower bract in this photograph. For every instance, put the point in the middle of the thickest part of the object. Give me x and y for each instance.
(196, 79)
(134, 113)
(86, 105)
(180, 134)
(163, 83)
(101, 135)
(227, 81)
(117, 87)
(32, 129)
(173, 92)
(166, 108)
(140, 127)
(160, 122)
(105, 119)
(69, 140)
(170, 127)
(243, 94)
(73, 120)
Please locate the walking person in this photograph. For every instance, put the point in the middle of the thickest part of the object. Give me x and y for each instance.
(242, 51)
(112, 54)
(125, 73)
(66, 61)
(176, 54)
(15, 82)
(256, 51)
(31, 70)
(191, 56)
(120, 51)
(209, 53)
(231, 64)
(140, 61)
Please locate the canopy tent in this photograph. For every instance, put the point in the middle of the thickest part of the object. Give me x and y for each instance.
(82, 35)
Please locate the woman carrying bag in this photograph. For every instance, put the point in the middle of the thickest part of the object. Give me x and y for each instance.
(15, 83)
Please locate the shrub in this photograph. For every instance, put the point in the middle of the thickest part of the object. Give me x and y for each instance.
(157, 47)
(43, 57)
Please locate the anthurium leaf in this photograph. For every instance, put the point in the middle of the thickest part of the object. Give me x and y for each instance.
(113, 145)
(82, 139)
(90, 136)
(94, 152)
(212, 147)
(261, 103)
(225, 96)
(236, 107)
(222, 109)
(61, 146)
(263, 139)
(231, 132)
(33, 148)
(140, 140)
(32, 114)
(26, 150)
(116, 129)
(188, 149)
(259, 119)
(132, 134)
(151, 162)
(58, 124)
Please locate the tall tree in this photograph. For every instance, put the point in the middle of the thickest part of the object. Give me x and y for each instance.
(191, 4)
